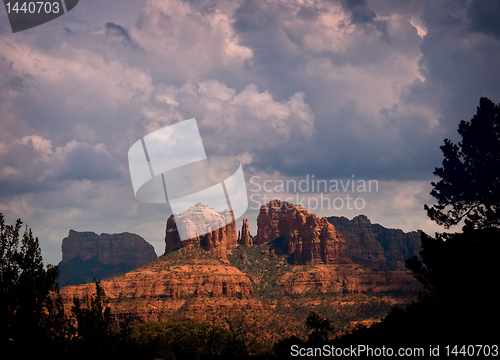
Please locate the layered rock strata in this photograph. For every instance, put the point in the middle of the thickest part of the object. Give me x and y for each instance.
(347, 278)
(160, 290)
(245, 238)
(216, 242)
(305, 236)
(374, 244)
(114, 249)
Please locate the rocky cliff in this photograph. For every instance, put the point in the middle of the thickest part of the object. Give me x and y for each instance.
(259, 280)
(374, 244)
(203, 219)
(303, 235)
(114, 249)
(244, 238)
(86, 255)
(188, 284)
(182, 285)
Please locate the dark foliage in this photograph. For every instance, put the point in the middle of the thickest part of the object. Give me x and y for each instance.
(321, 328)
(320, 332)
(96, 337)
(33, 323)
(282, 347)
(189, 340)
(459, 271)
(32, 319)
(470, 176)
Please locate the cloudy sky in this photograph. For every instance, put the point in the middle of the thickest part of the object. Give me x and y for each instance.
(342, 90)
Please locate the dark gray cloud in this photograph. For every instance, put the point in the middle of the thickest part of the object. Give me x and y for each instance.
(483, 16)
(346, 138)
(119, 31)
(112, 28)
(458, 64)
(86, 162)
(360, 11)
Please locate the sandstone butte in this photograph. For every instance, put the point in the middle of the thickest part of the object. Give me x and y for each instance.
(127, 248)
(204, 278)
(216, 242)
(372, 244)
(306, 237)
(174, 288)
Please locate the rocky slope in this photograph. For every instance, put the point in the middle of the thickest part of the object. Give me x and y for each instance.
(208, 278)
(305, 237)
(189, 284)
(167, 284)
(373, 244)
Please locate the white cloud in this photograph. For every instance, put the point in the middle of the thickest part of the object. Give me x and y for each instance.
(239, 122)
(78, 77)
(40, 144)
(186, 44)
(33, 160)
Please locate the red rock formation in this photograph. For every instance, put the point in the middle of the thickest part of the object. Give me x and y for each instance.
(245, 239)
(231, 234)
(216, 242)
(307, 237)
(374, 244)
(159, 290)
(346, 278)
(172, 239)
(361, 240)
(113, 249)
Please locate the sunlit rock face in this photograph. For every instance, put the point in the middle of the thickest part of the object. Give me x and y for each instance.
(306, 237)
(215, 231)
(245, 238)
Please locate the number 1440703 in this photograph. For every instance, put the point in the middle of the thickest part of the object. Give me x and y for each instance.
(32, 7)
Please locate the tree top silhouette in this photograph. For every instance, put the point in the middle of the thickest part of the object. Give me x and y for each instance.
(469, 188)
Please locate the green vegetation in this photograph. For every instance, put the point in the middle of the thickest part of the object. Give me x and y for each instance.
(458, 271)
(32, 319)
(184, 256)
(33, 323)
(256, 262)
(341, 308)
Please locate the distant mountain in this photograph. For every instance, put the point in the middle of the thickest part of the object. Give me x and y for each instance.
(86, 255)
(300, 263)
(191, 285)
(374, 245)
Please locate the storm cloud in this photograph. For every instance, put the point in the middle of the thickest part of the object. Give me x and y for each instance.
(291, 88)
